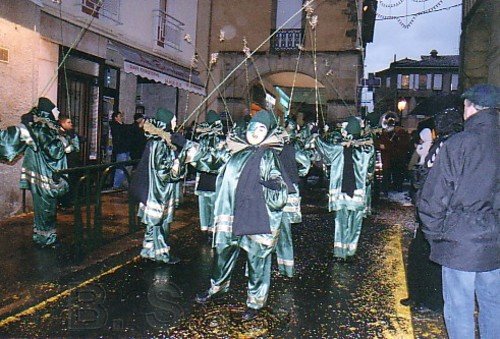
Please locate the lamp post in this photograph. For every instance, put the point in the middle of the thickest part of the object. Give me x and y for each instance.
(401, 107)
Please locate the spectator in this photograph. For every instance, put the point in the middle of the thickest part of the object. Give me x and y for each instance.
(401, 145)
(121, 145)
(424, 145)
(137, 138)
(386, 146)
(423, 275)
(459, 208)
(66, 129)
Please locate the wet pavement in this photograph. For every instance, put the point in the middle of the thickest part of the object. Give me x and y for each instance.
(116, 294)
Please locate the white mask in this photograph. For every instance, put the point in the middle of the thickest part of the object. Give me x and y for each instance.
(256, 133)
(55, 113)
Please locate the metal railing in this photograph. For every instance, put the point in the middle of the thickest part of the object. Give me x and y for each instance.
(87, 194)
(168, 30)
(287, 40)
(109, 9)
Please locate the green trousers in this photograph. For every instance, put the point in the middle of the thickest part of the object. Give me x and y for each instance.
(179, 196)
(206, 201)
(44, 228)
(284, 247)
(259, 274)
(347, 230)
(154, 245)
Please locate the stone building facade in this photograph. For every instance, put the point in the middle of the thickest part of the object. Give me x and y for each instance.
(295, 57)
(480, 42)
(413, 81)
(92, 58)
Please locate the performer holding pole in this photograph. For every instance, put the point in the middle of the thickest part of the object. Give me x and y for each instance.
(251, 194)
(45, 150)
(349, 163)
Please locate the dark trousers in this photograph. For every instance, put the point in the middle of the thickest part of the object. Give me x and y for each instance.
(423, 276)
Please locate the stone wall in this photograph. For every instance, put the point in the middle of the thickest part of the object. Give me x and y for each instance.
(19, 86)
(336, 71)
(480, 45)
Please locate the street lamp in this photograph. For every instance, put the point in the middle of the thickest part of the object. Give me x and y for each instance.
(401, 107)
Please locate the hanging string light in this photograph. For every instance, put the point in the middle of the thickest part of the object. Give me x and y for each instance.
(412, 16)
(391, 5)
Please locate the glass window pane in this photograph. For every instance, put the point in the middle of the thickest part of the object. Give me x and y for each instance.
(110, 78)
(422, 81)
(454, 82)
(405, 81)
(388, 82)
(438, 82)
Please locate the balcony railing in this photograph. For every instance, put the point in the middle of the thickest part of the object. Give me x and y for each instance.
(287, 40)
(109, 9)
(169, 31)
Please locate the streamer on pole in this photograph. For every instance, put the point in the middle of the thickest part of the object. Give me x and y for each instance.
(210, 77)
(295, 74)
(308, 3)
(73, 45)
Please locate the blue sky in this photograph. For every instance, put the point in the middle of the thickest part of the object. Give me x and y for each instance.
(439, 30)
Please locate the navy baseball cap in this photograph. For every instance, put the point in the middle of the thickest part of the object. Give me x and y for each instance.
(484, 95)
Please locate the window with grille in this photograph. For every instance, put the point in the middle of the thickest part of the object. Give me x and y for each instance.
(102, 8)
(169, 30)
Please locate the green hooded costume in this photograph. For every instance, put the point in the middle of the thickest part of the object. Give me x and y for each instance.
(210, 137)
(45, 149)
(164, 170)
(350, 163)
(296, 163)
(251, 194)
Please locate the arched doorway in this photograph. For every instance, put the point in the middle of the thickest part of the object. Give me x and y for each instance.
(290, 94)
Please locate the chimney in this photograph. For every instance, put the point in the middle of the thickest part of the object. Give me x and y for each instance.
(434, 53)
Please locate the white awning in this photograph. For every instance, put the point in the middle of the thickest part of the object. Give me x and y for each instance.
(154, 68)
(169, 80)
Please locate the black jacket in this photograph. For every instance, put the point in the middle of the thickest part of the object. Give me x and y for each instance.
(137, 141)
(120, 134)
(459, 202)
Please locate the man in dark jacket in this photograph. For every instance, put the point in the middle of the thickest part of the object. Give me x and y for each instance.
(459, 208)
(120, 134)
(137, 138)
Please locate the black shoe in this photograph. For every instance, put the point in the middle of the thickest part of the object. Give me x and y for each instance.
(406, 302)
(172, 260)
(421, 309)
(203, 297)
(55, 245)
(250, 314)
(346, 260)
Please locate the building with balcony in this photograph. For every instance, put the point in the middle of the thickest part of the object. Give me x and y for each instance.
(311, 73)
(480, 43)
(94, 57)
(408, 82)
